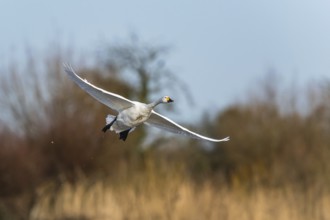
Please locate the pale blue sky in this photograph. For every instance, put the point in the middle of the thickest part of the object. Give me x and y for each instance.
(220, 48)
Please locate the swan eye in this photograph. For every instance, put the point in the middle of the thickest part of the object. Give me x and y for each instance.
(167, 99)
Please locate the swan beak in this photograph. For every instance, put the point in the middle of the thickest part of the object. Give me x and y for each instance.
(170, 100)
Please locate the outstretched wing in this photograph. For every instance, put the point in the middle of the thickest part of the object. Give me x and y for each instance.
(112, 100)
(160, 121)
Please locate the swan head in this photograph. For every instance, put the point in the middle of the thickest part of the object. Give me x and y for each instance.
(167, 99)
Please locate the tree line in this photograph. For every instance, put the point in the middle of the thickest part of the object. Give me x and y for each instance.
(50, 129)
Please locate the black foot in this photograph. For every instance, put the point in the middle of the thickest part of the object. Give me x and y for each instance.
(123, 135)
(108, 126)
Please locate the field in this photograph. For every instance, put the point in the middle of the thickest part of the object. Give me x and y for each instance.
(174, 197)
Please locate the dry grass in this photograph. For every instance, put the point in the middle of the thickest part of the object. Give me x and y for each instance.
(177, 198)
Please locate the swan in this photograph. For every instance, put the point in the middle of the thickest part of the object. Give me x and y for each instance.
(132, 113)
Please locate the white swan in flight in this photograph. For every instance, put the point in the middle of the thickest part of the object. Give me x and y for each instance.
(132, 113)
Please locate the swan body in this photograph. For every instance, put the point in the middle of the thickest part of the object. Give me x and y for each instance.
(131, 113)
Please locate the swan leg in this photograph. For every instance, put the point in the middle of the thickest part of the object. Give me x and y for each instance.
(108, 126)
(123, 135)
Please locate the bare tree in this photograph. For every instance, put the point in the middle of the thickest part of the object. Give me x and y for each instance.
(143, 65)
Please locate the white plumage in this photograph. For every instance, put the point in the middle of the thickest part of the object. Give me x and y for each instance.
(132, 113)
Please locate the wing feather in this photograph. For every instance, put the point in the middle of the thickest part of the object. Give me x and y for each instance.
(112, 100)
(160, 121)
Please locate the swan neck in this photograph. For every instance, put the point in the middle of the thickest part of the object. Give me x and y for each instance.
(155, 103)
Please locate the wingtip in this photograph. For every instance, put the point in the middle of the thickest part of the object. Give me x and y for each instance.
(67, 67)
(225, 139)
